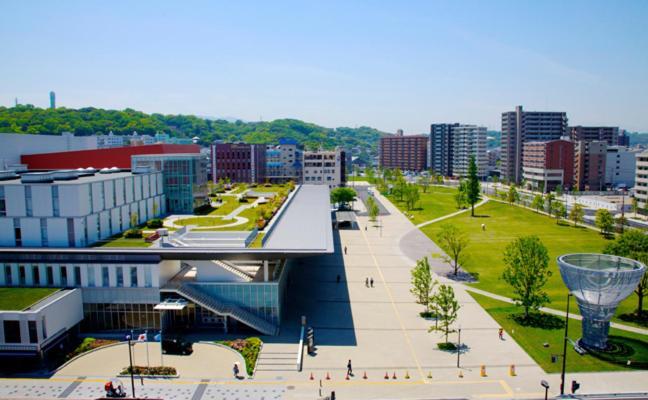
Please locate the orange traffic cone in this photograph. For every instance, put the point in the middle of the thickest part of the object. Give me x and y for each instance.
(365, 375)
(394, 376)
(311, 376)
(328, 377)
(386, 375)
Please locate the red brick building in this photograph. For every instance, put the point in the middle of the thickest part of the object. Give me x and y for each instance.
(119, 157)
(240, 162)
(549, 164)
(408, 153)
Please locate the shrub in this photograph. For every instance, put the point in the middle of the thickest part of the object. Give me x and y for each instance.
(154, 223)
(538, 320)
(446, 346)
(88, 344)
(133, 234)
(140, 370)
(427, 314)
(249, 349)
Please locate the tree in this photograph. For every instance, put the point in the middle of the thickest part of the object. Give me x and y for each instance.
(454, 242)
(558, 210)
(134, 218)
(549, 199)
(473, 192)
(372, 208)
(422, 283)
(343, 196)
(577, 213)
(635, 205)
(633, 244)
(461, 197)
(412, 196)
(621, 222)
(447, 308)
(559, 190)
(527, 271)
(424, 181)
(604, 221)
(513, 196)
(538, 202)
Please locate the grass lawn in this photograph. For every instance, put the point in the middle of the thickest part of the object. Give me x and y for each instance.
(230, 203)
(12, 299)
(437, 202)
(268, 189)
(505, 223)
(250, 214)
(122, 242)
(203, 221)
(256, 243)
(631, 346)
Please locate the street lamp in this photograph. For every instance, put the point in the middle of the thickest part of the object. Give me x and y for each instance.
(564, 355)
(459, 346)
(130, 361)
(545, 385)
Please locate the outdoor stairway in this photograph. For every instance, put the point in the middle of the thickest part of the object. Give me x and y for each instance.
(234, 270)
(198, 296)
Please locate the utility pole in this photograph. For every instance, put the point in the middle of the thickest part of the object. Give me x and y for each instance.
(130, 361)
(564, 356)
(459, 346)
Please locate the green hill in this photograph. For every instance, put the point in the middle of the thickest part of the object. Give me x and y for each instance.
(90, 121)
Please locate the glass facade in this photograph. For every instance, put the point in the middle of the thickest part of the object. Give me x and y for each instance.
(117, 317)
(261, 299)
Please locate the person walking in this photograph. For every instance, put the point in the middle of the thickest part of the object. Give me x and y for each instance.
(367, 282)
(345, 250)
(371, 281)
(349, 369)
(236, 370)
(501, 333)
(365, 227)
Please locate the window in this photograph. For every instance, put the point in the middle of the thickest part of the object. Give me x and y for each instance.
(133, 276)
(3, 205)
(50, 275)
(105, 277)
(77, 276)
(120, 276)
(8, 275)
(22, 276)
(28, 200)
(33, 331)
(55, 201)
(91, 276)
(64, 276)
(36, 275)
(12, 331)
(43, 231)
(148, 280)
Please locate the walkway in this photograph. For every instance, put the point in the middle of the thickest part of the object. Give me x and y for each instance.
(432, 221)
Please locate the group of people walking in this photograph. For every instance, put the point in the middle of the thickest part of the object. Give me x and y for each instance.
(369, 282)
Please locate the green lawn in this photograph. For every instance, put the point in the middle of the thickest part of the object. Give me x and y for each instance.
(633, 346)
(203, 221)
(13, 299)
(230, 203)
(257, 242)
(505, 223)
(437, 202)
(122, 242)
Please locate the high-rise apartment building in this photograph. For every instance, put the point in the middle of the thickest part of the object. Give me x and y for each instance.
(440, 148)
(547, 165)
(408, 153)
(620, 166)
(641, 180)
(325, 168)
(589, 165)
(521, 126)
(469, 141)
(52, 100)
(239, 162)
(608, 134)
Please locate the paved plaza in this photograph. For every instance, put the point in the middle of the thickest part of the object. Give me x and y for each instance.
(378, 328)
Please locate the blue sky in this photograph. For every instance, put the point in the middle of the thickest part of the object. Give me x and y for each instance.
(390, 65)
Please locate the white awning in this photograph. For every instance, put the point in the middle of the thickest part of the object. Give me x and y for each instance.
(171, 304)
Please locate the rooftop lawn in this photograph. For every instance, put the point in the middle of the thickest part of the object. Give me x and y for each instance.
(257, 243)
(204, 221)
(16, 299)
(506, 222)
(631, 346)
(436, 202)
(122, 242)
(229, 204)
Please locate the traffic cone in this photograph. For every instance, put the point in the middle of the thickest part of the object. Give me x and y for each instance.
(328, 377)
(386, 375)
(311, 376)
(482, 371)
(347, 376)
(460, 374)
(365, 375)
(407, 375)
(429, 375)
(512, 370)
(394, 376)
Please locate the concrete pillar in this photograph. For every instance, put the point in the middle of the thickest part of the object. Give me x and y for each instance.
(265, 270)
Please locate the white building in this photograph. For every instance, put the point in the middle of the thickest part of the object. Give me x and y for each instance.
(641, 179)
(109, 140)
(75, 208)
(469, 140)
(620, 166)
(13, 145)
(284, 162)
(324, 168)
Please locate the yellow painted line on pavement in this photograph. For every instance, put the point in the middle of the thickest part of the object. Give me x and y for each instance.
(506, 387)
(391, 300)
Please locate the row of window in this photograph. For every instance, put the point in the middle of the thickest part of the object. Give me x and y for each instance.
(71, 277)
(12, 331)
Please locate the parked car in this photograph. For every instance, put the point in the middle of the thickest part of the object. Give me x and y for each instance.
(176, 345)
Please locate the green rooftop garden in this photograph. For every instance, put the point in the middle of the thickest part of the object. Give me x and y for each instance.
(16, 299)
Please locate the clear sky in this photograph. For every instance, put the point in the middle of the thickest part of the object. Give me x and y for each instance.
(390, 65)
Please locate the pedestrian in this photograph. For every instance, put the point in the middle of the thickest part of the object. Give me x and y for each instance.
(236, 370)
(345, 250)
(371, 281)
(349, 369)
(338, 278)
(501, 334)
(365, 227)
(367, 282)
(483, 227)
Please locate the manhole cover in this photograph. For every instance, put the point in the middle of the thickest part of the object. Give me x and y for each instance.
(290, 387)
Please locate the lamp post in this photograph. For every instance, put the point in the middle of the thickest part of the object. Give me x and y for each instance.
(459, 346)
(623, 191)
(130, 361)
(545, 385)
(564, 355)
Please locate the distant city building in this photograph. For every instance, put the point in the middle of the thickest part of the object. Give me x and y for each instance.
(493, 157)
(547, 165)
(75, 208)
(109, 140)
(620, 166)
(589, 165)
(139, 140)
(284, 162)
(641, 180)
(14, 145)
(238, 162)
(408, 153)
(440, 148)
(184, 177)
(119, 157)
(624, 139)
(469, 141)
(519, 127)
(325, 168)
(166, 138)
(52, 100)
(608, 134)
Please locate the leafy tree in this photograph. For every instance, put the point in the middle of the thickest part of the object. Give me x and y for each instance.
(454, 242)
(343, 196)
(577, 213)
(513, 196)
(473, 188)
(604, 221)
(370, 174)
(133, 219)
(447, 309)
(461, 197)
(549, 199)
(412, 196)
(422, 283)
(538, 202)
(633, 244)
(559, 190)
(424, 182)
(527, 271)
(372, 208)
(559, 211)
(621, 222)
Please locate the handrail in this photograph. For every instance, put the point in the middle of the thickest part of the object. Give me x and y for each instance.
(233, 269)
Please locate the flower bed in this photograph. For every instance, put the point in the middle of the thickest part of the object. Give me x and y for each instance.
(159, 371)
(89, 344)
(249, 349)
